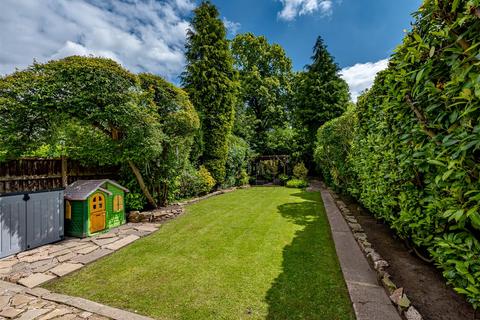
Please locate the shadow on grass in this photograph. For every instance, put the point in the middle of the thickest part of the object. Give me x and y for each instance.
(311, 285)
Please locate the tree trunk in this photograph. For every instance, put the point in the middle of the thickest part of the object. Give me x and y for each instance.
(141, 183)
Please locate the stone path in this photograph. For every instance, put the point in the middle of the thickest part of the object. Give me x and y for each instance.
(370, 301)
(34, 267)
(18, 302)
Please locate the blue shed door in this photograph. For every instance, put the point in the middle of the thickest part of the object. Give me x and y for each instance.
(44, 218)
(30, 220)
(13, 225)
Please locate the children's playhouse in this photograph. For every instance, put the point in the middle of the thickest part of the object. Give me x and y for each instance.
(93, 206)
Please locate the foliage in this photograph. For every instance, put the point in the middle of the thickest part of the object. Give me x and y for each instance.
(193, 182)
(239, 154)
(283, 178)
(319, 95)
(179, 122)
(297, 183)
(268, 169)
(300, 171)
(415, 152)
(209, 79)
(333, 148)
(265, 73)
(93, 110)
(283, 141)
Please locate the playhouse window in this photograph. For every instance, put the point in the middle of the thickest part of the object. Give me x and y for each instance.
(117, 203)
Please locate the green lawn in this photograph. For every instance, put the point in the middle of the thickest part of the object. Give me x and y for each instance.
(258, 253)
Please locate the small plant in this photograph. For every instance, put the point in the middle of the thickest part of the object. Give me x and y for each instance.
(283, 178)
(297, 183)
(300, 171)
(244, 178)
(206, 181)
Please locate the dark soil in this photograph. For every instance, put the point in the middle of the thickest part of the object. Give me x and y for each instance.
(423, 283)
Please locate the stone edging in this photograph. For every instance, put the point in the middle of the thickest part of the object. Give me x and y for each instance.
(397, 295)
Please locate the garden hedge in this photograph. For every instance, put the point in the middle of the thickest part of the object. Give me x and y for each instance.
(415, 150)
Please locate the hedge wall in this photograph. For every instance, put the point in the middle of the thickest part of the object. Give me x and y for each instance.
(415, 150)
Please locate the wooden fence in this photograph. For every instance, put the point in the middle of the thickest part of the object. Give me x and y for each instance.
(35, 174)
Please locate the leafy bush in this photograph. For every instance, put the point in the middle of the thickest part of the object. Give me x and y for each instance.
(283, 178)
(237, 161)
(135, 201)
(332, 150)
(300, 171)
(415, 151)
(193, 182)
(296, 183)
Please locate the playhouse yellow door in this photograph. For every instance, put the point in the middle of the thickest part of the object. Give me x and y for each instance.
(97, 212)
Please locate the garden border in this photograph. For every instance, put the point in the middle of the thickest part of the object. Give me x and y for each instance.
(396, 294)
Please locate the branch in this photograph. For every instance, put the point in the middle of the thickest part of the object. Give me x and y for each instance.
(141, 183)
(421, 119)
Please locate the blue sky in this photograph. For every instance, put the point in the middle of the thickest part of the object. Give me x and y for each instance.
(356, 31)
(149, 35)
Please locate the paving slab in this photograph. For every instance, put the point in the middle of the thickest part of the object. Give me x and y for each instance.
(33, 314)
(92, 256)
(122, 242)
(65, 268)
(88, 249)
(10, 312)
(35, 280)
(370, 301)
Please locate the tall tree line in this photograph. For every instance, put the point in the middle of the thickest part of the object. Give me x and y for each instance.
(245, 87)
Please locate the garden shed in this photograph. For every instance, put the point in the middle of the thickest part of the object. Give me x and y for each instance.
(93, 206)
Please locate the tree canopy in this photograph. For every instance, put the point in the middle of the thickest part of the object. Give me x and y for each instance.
(209, 79)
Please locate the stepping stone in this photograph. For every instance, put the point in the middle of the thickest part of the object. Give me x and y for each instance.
(46, 267)
(4, 301)
(35, 280)
(65, 268)
(10, 312)
(122, 242)
(106, 235)
(55, 313)
(90, 257)
(88, 249)
(7, 263)
(66, 257)
(36, 257)
(60, 253)
(146, 228)
(33, 314)
(37, 292)
(102, 242)
(19, 299)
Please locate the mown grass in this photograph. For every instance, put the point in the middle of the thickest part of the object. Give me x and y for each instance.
(258, 253)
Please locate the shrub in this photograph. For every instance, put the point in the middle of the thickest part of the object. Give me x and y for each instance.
(193, 182)
(332, 151)
(415, 151)
(283, 178)
(296, 183)
(237, 161)
(206, 181)
(300, 171)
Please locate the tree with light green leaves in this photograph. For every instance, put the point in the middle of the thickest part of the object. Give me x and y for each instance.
(265, 73)
(209, 79)
(320, 94)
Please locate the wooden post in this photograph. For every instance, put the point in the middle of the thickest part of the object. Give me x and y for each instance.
(64, 172)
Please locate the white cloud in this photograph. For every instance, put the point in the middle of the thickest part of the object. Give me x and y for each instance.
(361, 76)
(293, 8)
(231, 26)
(142, 35)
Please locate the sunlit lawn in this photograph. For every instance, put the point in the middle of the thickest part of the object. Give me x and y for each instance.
(258, 253)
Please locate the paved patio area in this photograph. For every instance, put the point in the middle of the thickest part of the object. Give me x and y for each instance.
(34, 267)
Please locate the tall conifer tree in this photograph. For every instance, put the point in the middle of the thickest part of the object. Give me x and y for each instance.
(209, 79)
(320, 95)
